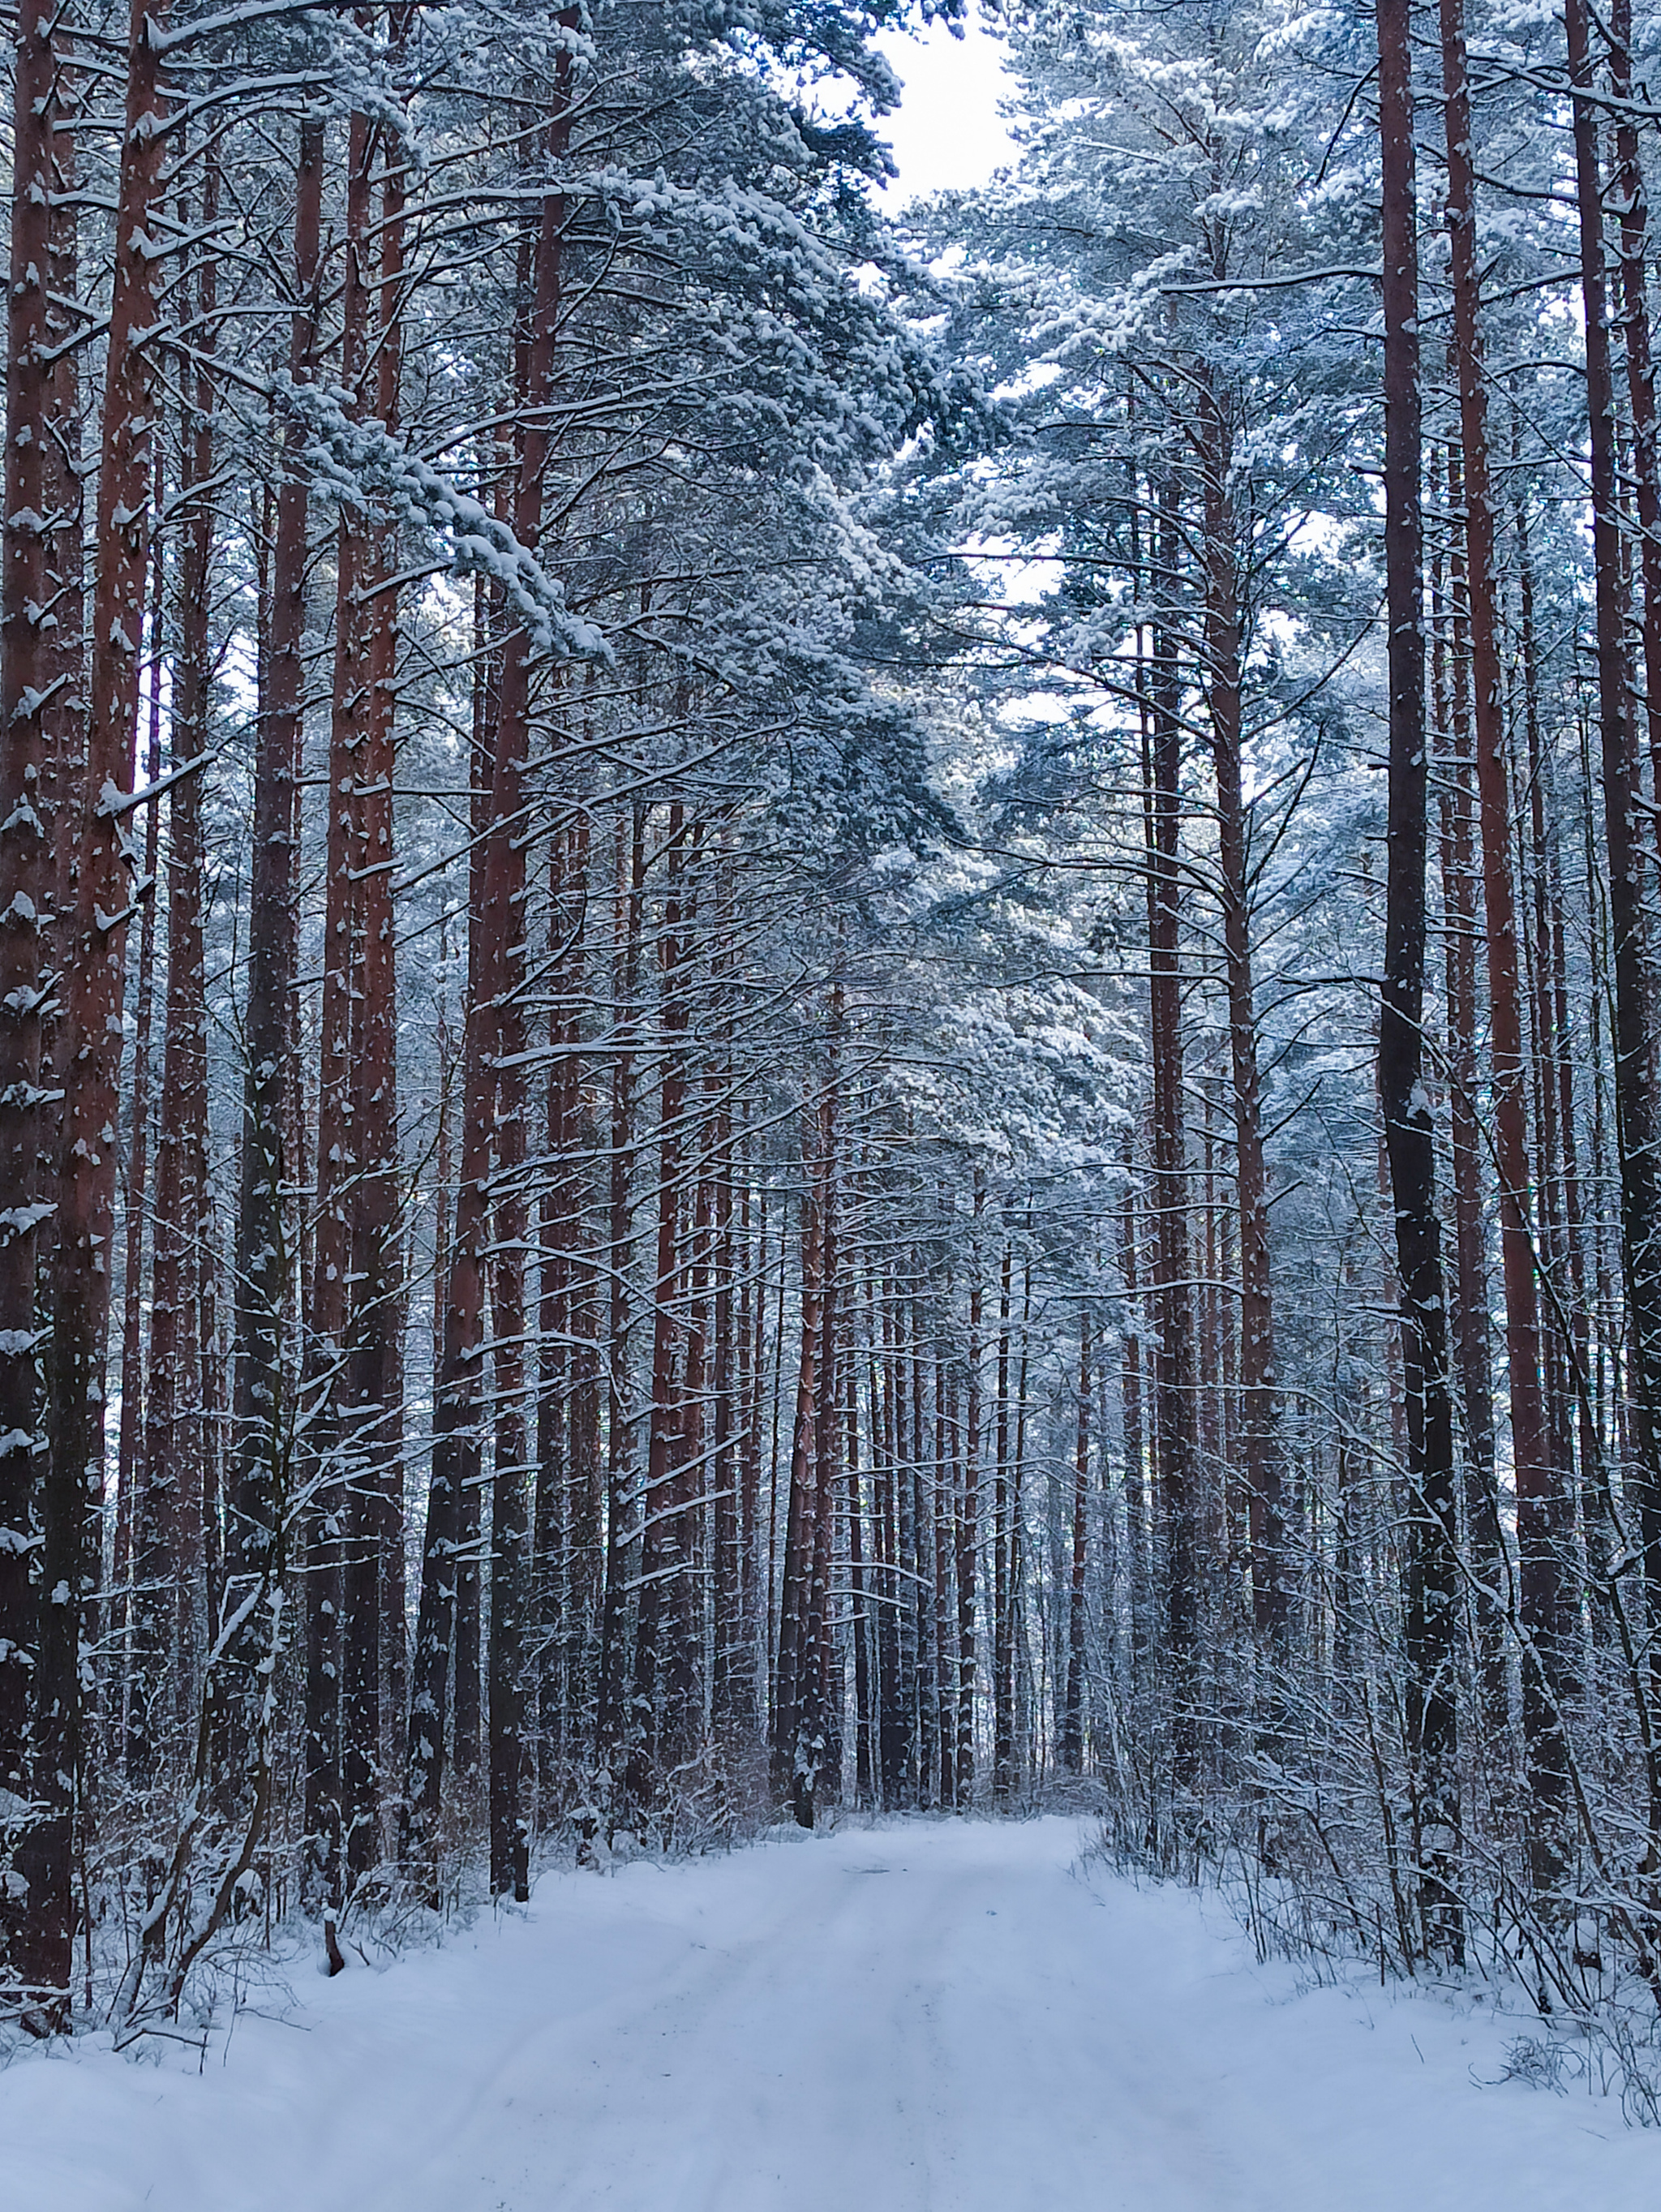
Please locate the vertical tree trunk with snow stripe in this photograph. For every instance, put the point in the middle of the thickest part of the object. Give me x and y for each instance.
(170, 1618)
(1472, 1334)
(129, 1441)
(29, 892)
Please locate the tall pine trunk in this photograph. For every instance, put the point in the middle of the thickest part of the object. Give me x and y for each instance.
(264, 1260)
(1409, 1141)
(72, 1481)
(1259, 1416)
(1535, 1477)
(1635, 1116)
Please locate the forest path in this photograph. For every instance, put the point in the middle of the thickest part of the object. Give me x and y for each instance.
(941, 2015)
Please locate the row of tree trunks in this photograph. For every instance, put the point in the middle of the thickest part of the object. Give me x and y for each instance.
(495, 1104)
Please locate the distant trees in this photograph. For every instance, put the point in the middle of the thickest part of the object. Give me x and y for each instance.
(1425, 1577)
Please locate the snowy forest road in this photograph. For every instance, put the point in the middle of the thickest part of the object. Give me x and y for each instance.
(943, 2014)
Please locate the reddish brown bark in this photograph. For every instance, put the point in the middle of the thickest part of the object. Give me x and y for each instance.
(1258, 1400)
(494, 1110)
(1632, 203)
(72, 1484)
(27, 885)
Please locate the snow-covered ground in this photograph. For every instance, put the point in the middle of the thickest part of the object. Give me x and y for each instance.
(928, 2014)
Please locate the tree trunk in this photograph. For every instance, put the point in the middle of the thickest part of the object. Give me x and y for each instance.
(1472, 1332)
(623, 1503)
(1173, 1351)
(1071, 1732)
(32, 1944)
(795, 1718)
(71, 1485)
(171, 1622)
(1635, 1112)
(1433, 1584)
(1536, 1479)
(664, 1566)
(1259, 1416)
(968, 1519)
(1003, 1559)
(129, 1443)
(264, 1261)
(373, 1679)
(342, 1590)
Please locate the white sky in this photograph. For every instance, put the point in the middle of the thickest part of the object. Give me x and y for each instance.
(946, 134)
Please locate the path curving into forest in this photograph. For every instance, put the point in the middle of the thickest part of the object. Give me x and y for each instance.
(943, 2014)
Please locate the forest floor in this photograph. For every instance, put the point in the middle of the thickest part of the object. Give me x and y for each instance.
(950, 2014)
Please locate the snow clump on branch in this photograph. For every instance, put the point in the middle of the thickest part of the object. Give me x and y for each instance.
(358, 464)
